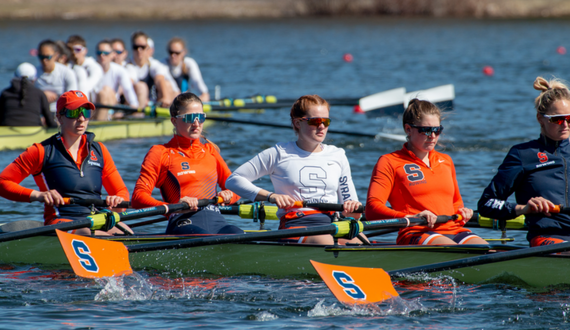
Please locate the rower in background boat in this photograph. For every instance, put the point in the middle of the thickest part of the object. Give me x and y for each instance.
(65, 56)
(302, 170)
(537, 171)
(94, 70)
(115, 79)
(187, 168)
(69, 164)
(146, 73)
(23, 104)
(418, 181)
(54, 78)
(121, 52)
(184, 69)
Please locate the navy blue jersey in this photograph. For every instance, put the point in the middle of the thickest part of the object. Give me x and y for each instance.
(537, 168)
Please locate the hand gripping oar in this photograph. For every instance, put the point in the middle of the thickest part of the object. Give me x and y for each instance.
(93, 258)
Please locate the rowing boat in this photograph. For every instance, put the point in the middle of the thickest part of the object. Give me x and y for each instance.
(21, 137)
(280, 260)
(394, 102)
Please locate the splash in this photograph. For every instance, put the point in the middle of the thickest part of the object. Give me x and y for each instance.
(394, 306)
(133, 287)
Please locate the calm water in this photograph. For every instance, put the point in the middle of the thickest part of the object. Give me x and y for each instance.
(289, 59)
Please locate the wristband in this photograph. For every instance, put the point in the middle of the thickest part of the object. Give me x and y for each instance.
(269, 197)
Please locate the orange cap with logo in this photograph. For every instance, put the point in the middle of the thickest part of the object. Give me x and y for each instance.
(72, 100)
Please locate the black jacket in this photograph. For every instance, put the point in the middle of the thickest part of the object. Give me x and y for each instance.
(35, 105)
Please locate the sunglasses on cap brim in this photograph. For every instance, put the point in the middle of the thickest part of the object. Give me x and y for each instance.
(558, 119)
(74, 114)
(427, 130)
(191, 117)
(317, 121)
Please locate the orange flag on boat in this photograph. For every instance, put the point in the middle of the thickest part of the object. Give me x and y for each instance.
(94, 258)
(356, 285)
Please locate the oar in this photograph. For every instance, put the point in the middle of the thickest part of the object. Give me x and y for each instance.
(388, 136)
(101, 221)
(94, 258)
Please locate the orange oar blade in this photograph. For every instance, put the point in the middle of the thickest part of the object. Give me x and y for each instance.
(356, 285)
(93, 258)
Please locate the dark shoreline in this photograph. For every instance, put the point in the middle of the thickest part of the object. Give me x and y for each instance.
(271, 9)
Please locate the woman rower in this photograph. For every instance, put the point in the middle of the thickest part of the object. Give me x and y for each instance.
(537, 171)
(420, 182)
(186, 169)
(302, 170)
(68, 164)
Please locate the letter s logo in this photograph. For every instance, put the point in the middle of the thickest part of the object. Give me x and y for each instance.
(542, 157)
(345, 281)
(84, 254)
(414, 172)
(185, 166)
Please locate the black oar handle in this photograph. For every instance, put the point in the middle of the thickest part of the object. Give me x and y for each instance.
(327, 206)
(94, 202)
(164, 209)
(64, 226)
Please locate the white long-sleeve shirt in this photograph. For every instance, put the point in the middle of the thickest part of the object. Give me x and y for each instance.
(94, 74)
(195, 80)
(317, 177)
(117, 76)
(59, 81)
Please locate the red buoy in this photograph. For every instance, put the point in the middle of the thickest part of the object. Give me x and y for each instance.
(488, 70)
(357, 109)
(561, 50)
(34, 52)
(348, 57)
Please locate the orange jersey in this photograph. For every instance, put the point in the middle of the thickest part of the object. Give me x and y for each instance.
(410, 186)
(31, 161)
(182, 167)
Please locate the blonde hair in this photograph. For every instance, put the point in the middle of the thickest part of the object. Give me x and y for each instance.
(550, 92)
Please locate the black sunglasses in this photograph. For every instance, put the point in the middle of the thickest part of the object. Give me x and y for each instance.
(137, 47)
(45, 57)
(427, 130)
(173, 52)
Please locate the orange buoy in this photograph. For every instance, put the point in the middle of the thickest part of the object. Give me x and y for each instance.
(561, 50)
(488, 70)
(347, 57)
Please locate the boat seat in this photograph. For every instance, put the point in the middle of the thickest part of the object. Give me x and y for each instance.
(19, 225)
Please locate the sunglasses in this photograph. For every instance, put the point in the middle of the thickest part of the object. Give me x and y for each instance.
(191, 117)
(78, 49)
(558, 119)
(171, 52)
(317, 121)
(45, 57)
(119, 52)
(427, 130)
(102, 52)
(139, 47)
(74, 114)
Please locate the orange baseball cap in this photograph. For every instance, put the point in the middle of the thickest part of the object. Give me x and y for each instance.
(72, 100)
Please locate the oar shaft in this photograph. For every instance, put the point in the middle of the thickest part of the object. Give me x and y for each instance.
(94, 202)
(485, 259)
(163, 209)
(310, 231)
(65, 226)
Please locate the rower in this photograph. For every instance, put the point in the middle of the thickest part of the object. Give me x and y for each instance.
(187, 168)
(54, 78)
(94, 70)
(115, 79)
(418, 181)
(67, 58)
(68, 164)
(23, 104)
(121, 52)
(302, 170)
(184, 69)
(537, 171)
(149, 75)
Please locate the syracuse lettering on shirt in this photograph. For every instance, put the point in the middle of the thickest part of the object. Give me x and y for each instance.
(182, 167)
(31, 161)
(411, 187)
